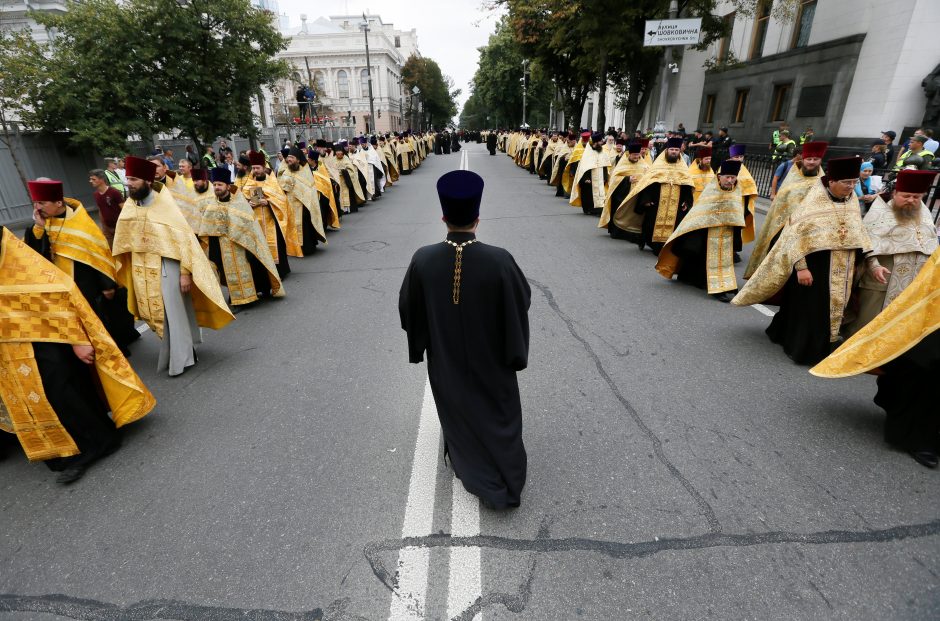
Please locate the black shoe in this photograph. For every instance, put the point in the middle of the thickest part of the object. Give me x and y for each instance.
(724, 296)
(70, 475)
(737, 258)
(926, 458)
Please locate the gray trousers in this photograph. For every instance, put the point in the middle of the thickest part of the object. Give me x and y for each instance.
(180, 330)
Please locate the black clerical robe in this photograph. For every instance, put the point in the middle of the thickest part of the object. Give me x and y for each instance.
(647, 203)
(801, 326)
(907, 393)
(491, 143)
(475, 348)
(560, 187)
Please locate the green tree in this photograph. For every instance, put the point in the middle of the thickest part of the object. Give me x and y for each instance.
(22, 76)
(145, 66)
(496, 84)
(590, 44)
(437, 90)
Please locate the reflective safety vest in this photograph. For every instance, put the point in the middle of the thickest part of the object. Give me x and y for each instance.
(901, 160)
(115, 182)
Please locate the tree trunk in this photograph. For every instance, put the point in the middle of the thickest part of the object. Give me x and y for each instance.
(602, 93)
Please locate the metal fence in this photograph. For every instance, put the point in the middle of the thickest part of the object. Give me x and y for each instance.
(41, 156)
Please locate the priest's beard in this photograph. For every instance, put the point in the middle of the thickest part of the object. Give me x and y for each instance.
(294, 167)
(905, 214)
(201, 190)
(141, 194)
(261, 176)
(598, 147)
(672, 159)
(810, 172)
(703, 166)
(241, 173)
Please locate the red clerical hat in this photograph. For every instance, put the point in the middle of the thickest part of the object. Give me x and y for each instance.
(815, 149)
(41, 191)
(139, 168)
(256, 158)
(585, 134)
(703, 153)
(645, 143)
(841, 168)
(913, 181)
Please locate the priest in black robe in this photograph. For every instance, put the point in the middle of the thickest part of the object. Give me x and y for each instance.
(809, 271)
(491, 143)
(65, 235)
(466, 304)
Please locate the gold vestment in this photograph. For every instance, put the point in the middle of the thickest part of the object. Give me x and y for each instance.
(40, 304)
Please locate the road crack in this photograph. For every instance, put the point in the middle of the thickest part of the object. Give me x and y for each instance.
(714, 525)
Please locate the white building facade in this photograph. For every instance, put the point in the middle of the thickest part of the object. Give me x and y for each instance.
(329, 54)
(848, 68)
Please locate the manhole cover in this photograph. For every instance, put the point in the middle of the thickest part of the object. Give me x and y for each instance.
(369, 246)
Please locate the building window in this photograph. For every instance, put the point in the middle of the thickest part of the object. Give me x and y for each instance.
(709, 115)
(814, 101)
(319, 84)
(803, 23)
(397, 41)
(724, 46)
(740, 105)
(342, 82)
(780, 103)
(364, 82)
(761, 22)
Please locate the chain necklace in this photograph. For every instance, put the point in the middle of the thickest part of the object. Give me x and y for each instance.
(49, 235)
(458, 265)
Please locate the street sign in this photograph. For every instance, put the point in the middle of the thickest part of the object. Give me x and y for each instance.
(672, 31)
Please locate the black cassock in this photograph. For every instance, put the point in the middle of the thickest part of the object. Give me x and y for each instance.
(801, 325)
(474, 350)
(906, 392)
(491, 144)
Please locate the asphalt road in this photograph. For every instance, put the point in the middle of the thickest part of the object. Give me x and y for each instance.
(680, 466)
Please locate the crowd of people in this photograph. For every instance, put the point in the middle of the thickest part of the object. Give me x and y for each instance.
(179, 250)
(855, 274)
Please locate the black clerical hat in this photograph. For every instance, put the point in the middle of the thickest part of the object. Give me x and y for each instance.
(634, 147)
(220, 174)
(674, 143)
(730, 167)
(840, 168)
(460, 193)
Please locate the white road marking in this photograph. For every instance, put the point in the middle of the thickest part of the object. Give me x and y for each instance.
(465, 581)
(409, 599)
(763, 310)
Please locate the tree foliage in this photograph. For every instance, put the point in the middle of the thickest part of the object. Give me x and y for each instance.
(497, 88)
(437, 92)
(586, 44)
(21, 77)
(138, 67)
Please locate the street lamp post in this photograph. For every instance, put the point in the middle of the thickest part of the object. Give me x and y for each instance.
(414, 116)
(364, 26)
(525, 71)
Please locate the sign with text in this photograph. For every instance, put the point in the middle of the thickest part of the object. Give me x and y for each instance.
(672, 32)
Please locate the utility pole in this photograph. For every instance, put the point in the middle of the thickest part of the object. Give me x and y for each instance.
(664, 80)
(365, 29)
(525, 85)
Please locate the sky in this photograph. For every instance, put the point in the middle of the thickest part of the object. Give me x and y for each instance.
(449, 31)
